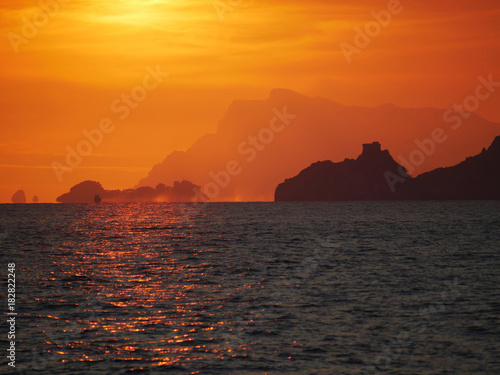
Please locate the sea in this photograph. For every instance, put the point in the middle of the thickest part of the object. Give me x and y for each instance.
(251, 288)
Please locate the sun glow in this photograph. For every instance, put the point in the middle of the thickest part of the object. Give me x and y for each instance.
(136, 13)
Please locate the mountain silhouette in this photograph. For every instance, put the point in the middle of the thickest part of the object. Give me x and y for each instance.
(477, 177)
(269, 140)
(374, 175)
(360, 179)
(87, 191)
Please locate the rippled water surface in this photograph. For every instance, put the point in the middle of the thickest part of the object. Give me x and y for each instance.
(254, 288)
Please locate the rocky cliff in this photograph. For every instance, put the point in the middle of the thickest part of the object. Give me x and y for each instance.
(374, 175)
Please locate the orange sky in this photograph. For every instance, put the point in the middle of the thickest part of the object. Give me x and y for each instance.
(64, 75)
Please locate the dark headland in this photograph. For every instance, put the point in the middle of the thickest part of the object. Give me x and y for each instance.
(375, 175)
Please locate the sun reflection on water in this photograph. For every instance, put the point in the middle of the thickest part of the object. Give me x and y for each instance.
(150, 293)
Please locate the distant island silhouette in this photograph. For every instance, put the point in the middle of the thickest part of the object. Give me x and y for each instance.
(93, 192)
(18, 197)
(375, 175)
(276, 138)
